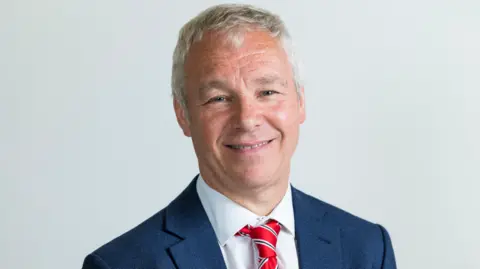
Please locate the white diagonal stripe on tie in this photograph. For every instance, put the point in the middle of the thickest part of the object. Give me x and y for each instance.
(264, 242)
(269, 229)
(262, 263)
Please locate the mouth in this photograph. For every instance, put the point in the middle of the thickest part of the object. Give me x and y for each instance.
(249, 146)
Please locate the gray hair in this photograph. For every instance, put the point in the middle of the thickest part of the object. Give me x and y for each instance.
(228, 18)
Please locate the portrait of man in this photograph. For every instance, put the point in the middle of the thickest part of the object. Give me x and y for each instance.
(238, 95)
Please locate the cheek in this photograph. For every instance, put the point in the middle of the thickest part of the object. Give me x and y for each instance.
(211, 126)
(283, 114)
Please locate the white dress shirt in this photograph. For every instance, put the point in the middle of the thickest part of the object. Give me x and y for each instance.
(228, 217)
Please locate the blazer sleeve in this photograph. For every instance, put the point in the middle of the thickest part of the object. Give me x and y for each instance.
(388, 261)
(92, 261)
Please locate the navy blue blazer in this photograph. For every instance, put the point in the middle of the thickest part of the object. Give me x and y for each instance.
(181, 236)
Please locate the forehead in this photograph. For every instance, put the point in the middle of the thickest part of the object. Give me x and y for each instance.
(217, 55)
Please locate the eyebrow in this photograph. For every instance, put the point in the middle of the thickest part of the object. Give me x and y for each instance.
(206, 86)
(269, 80)
(223, 85)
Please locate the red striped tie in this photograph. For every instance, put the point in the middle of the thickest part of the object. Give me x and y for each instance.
(265, 238)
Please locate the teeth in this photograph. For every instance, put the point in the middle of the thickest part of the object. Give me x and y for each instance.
(249, 147)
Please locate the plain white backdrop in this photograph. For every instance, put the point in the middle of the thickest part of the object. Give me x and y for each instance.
(89, 145)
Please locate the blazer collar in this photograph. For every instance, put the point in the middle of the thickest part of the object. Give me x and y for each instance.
(317, 238)
(186, 218)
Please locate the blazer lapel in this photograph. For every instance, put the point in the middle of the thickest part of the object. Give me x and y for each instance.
(186, 218)
(318, 241)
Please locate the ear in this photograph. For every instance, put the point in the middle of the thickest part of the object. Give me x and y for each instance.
(181, 118)
(301, 107)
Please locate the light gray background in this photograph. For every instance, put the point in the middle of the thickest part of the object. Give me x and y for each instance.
(89, 146)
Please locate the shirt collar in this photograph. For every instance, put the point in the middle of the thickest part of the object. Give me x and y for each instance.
(228, 217)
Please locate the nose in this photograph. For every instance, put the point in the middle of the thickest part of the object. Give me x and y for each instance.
(248, 114)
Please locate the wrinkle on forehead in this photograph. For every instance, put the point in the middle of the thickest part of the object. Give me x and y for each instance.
(214, 44)
(259, 55)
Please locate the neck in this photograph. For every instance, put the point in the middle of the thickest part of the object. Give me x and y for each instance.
(263, 202)
(260, 200)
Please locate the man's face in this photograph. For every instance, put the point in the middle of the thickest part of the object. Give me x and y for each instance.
(244, 110)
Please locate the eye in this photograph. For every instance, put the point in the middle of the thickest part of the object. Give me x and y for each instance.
(268, 93)
(217, 99)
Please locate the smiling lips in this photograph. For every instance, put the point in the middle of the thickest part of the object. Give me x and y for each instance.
(249, 146)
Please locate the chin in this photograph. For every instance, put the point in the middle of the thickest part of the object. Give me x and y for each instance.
(253, 177)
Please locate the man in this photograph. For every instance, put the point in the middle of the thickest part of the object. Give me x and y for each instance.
(238, 95)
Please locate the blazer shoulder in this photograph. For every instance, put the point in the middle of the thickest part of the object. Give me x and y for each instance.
(362, 241)
(338, 216)
(147, 244)
(139, 245)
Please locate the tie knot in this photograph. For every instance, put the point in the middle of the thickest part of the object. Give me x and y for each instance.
(264, 236)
